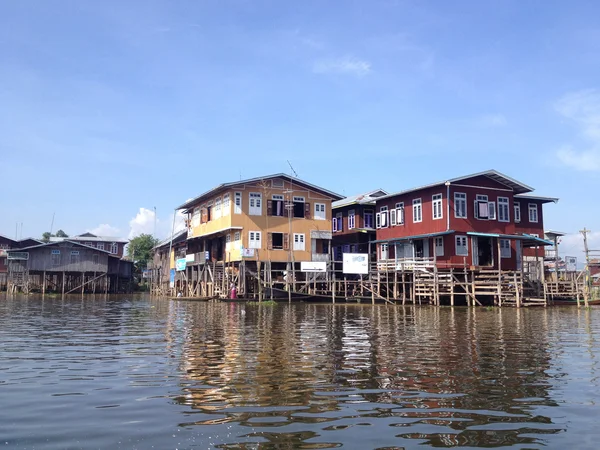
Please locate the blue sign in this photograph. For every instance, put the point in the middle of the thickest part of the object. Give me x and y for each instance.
(180, 264)
(172, 278)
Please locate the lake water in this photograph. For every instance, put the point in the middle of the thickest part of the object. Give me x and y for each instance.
(152, 373)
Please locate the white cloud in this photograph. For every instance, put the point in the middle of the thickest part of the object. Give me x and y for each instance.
(143, 222)
(105, 229)
(583, 109)
(348, 65)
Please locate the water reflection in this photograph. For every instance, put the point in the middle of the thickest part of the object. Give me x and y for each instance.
(444, 377)
(233, 376)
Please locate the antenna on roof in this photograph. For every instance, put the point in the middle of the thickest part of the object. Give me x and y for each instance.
(52, 223)
(294, 172)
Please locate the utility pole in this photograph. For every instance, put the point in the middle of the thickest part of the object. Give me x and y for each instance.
(586, 291)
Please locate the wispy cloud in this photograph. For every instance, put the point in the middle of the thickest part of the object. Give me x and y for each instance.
(492, 120)
(347, 65)
(583, 109)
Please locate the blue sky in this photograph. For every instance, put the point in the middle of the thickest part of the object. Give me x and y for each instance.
(112, 108)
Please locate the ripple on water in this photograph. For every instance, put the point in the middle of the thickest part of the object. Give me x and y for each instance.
(139, 372)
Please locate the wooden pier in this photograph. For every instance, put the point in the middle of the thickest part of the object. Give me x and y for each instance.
(414, 282)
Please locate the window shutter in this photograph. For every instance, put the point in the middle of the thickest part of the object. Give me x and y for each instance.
(334, 224)
(393, 217)
(476, 209)
(270, 241)
(400, 216)
(204, 215)
(286, 241)
(492, 211)
(269, 207)
(378, 220)
(307, 210)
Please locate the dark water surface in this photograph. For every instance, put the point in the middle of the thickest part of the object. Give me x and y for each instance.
(147, 373)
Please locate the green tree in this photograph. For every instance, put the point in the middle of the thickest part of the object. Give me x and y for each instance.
(140, 251)
(47, 235)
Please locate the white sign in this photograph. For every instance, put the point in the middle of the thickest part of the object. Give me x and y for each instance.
(356, 263)
(313, 266)
(571, 263)
(248, 252)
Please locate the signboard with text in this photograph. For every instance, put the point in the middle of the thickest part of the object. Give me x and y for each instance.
(313, 266)
(248, 252)
(571, 263)
(355, 263)
(180, 264)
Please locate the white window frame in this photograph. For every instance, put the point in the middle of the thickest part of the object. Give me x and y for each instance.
(383, 218)
(437, 209)
(254, 204)
(393, 217)
(491, 210)
(320, 213)
(100, 246)
(226, 205)
(439, 245)
(299, 242)
(503, 209)
(114, 248)
(236, 236)
(517, 207)
(458, 243)
(478, 199)
(237, 202)
(460, 199)
(196, 217)
(351, 219)
(400, 213)
(505, 250)
(417, 205)
(533, 208)
(339, 218)
(254, 239)
(298, 199)
(278, 197)
(377, 220)
(217, 208)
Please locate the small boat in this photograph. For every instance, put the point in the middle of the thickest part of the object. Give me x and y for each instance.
(195, 299)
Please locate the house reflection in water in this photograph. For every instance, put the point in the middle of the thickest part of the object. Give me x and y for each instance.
(443, 376)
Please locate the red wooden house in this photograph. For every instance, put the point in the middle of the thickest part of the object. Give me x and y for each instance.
(353, 221)
(482, 220)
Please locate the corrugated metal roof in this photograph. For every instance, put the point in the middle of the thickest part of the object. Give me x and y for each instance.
(515, 185)
(195, 200)
(89, 239)
(31, 247)
(521, 237)
(537, 197)
(174, 238)
(360, 199)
